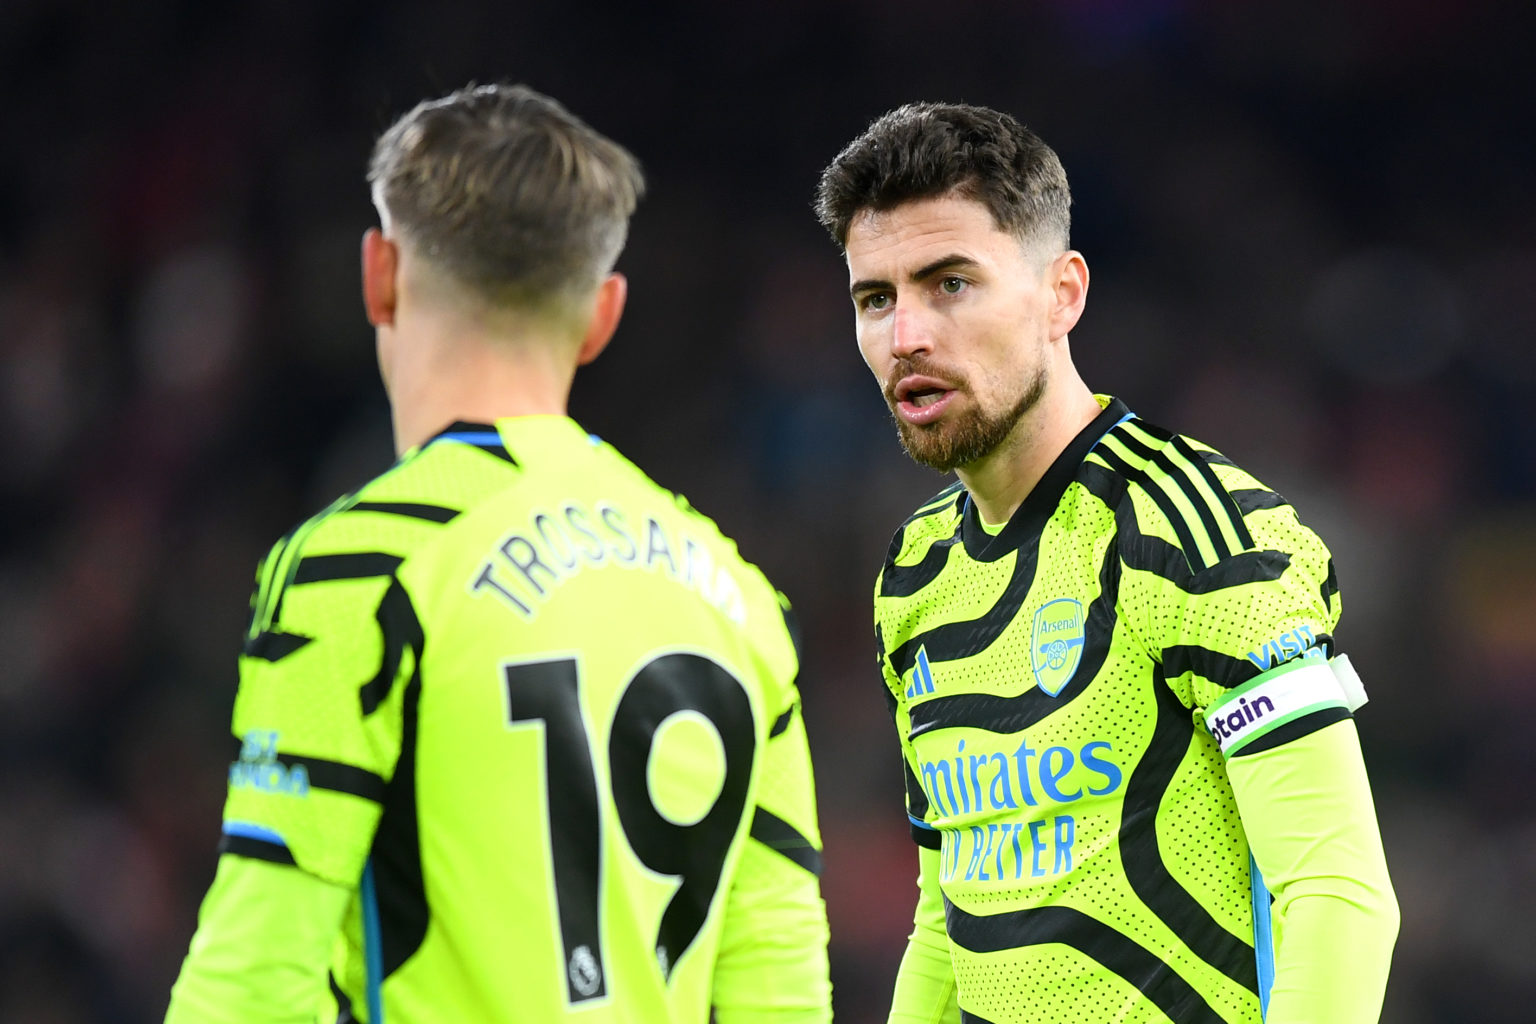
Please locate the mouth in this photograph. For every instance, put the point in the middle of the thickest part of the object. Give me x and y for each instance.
(921, 400)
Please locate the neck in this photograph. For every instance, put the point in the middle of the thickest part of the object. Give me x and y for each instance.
(448, 371)
(1001, 480)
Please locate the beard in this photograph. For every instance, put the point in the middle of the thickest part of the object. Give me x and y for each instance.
(960, 439)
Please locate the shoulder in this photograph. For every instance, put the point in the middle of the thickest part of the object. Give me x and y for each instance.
(938, 518)
(1181, 492)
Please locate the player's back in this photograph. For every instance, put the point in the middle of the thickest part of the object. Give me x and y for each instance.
(568, 681)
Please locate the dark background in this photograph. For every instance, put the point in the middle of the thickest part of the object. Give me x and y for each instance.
(1310, 227)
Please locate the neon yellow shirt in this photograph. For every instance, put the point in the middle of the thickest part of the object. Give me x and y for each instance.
(1104, 724)
(520, 741)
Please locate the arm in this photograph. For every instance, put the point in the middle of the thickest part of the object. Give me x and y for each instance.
(1306, 806)
(261, 932)
(926, 992)
(1250, 635)
(772, 963)
(303, 801)
(925, 982)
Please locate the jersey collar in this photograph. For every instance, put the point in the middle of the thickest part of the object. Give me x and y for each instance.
(1030, 518)
(484, 436)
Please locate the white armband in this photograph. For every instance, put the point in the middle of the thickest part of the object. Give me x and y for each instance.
(1283, 694)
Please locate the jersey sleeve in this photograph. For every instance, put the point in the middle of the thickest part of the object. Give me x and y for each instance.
(262, 932)
(926, 992)
(318, 713)
(1307, 809)
(772, 963)
(1216, 623)
(1244, 641)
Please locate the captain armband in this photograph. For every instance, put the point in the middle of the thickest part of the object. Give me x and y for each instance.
(1303, 686)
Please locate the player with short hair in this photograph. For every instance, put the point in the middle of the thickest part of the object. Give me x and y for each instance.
(1131, 765)
(520, 734)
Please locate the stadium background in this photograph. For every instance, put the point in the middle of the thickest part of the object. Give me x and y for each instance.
(1310, 227)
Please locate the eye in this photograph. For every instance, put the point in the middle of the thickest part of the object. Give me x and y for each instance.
(952, 285)
(874, 302)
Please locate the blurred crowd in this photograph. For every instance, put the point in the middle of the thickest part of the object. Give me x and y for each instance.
(1311, 232)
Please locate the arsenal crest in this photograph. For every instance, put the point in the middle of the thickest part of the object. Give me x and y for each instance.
(1056, 644)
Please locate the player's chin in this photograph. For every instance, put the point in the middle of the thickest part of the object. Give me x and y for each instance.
(929, 444)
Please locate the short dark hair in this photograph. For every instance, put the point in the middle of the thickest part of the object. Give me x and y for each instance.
(925, 150)
(507, 192)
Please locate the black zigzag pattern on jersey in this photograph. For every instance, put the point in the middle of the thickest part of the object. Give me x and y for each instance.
(1164, 502)
(396, 853)
(1188, 548)
(1225, 502)
(1180, 477)
(952, 640)
(394, 614)
(409, 509)
(1254, 499)
(255, 849)
(273, 645)
(351, 565)
(338, 776)
(783, 838)
(992, 713)
(343, 1001)
(953, 494)
(1153, 554)
(906, 580)
(1221, 669)
(781, 723)
(1164, 987)
(1330, 587)
(1142, 858)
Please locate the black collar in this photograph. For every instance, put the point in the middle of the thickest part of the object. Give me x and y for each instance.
(1030, 518)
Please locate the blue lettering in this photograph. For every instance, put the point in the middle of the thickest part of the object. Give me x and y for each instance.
(931, 772)
(1036, 848)
(965, 794)
(1018, 853)
(970, 870)
(1051, 774)
(1093, 762)
(1065, 830)
(975, 779)
(981, 875)
(1006, 798)
(1021, 768)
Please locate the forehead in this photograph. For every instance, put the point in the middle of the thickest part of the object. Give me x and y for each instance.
(916, 232)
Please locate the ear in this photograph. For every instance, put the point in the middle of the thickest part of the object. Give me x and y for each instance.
(607, 307)
(1070, 292)
(381, 263)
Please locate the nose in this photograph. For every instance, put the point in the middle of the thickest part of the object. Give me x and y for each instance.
(911, 333)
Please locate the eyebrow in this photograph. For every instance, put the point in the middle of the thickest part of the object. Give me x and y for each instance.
(951, 262)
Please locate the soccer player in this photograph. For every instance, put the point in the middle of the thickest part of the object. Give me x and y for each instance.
(519, 729)
(1131, 766)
